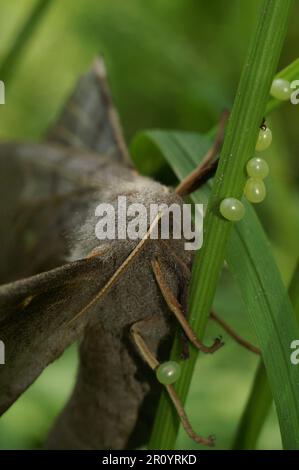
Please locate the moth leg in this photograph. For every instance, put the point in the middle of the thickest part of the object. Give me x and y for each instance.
(227, 328)
(153, 363)
(208, 166)
(177, 310)
(186, 275)
(233, 334)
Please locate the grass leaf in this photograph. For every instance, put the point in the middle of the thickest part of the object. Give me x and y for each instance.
(255, 412)
(271, 313)
(260, 397)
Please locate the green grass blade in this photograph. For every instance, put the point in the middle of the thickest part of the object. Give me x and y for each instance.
(272, 316)
(255, 411)
(14, 55)
(260, 397)
(294, 291)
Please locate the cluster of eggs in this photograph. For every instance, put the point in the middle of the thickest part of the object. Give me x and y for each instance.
(232, 209)
(257, 168)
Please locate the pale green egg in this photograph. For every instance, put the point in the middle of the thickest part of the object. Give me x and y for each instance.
(255, 190)
(257, 168)
(281, 89)
(232, 209)
(168, 372)
(264, 139)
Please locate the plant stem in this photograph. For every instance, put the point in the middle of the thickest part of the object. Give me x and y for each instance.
(239, 144)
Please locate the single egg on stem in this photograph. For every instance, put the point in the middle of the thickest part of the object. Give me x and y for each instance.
(232, 209)
(255, 190)
(281, 89)
(168, 372)
(257, 168)
(264, 140)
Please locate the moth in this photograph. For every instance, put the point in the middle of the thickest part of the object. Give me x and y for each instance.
(120, 299)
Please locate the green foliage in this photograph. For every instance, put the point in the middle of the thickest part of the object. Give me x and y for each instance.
(238, 147)
(10, 61)
(166, 69)
(259, 281)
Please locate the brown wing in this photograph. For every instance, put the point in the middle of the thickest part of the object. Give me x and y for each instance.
(89, 120)
(47, 190)
(34, 319)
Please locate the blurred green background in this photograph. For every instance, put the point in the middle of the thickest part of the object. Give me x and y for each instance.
(172, 64)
